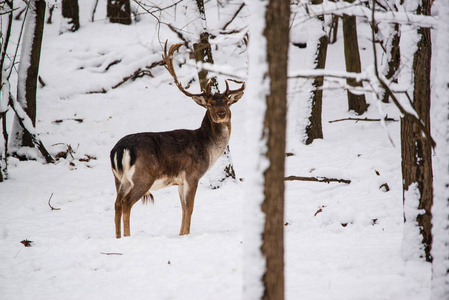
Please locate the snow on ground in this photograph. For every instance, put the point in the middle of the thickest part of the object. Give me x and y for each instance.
(343, 241)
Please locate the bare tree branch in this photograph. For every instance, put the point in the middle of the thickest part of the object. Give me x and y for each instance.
(137, 74)
(375, 81)
(317, 179)
(27, 125)
(359, 9)
(364, 119)
(234, 16)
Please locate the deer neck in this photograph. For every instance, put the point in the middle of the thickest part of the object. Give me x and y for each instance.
(217, 135)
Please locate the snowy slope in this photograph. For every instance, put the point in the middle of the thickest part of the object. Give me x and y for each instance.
(342, 241)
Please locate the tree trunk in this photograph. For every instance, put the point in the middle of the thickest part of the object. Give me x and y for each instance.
(28, 71)
(416, 149)
(357, 103)
(119, 11)
(394, 57)
(314, 130)
(276, 33)
(4, 90)
(440, 117)
(203, 53)
(333, 30)
(4, 149)
(70, 12)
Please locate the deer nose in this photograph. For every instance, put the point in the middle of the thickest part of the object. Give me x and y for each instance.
(221, 114)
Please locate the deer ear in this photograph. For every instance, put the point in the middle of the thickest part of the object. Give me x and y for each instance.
(200, 100)
(234, 97)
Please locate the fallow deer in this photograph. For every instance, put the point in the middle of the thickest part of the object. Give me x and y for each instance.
(148, 161)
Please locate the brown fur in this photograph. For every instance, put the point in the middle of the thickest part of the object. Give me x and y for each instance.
(152, 160)
(179, 157)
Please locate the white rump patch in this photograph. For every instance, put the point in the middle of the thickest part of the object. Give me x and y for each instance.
(125, 176)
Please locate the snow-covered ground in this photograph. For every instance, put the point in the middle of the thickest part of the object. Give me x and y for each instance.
(342, 241)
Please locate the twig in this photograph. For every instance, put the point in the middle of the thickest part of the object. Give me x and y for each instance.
(235, 15)
(364, 119)
(49, 204)
(111, 253)
(315, 179)
(137, 74)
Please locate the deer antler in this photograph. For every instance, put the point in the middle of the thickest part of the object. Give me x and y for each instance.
(168, 59)
(228, 92)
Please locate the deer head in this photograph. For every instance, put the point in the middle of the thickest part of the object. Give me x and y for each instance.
(217, 104)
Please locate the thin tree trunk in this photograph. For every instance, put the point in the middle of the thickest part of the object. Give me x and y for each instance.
(276, 33)
(394, 57)
(416, 149)
(314, 130)
(357, 103)
(440, 117)
(70, 11)
(4, 149)
(119, 11)
(28, 70)
(203, 53)
(333, 30)
(4, 82)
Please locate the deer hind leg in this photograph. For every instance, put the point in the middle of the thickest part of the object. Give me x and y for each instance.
(118, 217)
(123, 189)
(133, 196)
(187, 194)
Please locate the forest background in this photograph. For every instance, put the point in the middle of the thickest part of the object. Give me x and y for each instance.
(366, 174)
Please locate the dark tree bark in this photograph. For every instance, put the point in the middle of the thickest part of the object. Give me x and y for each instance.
(51, 8)
(203, 53)
(416, 149)
(28, 71)
(333, 30)
(394, 61)
(4, 83)
(276, 33)
(440, 117)
(70, 11)
(357, 103)
(119, 11)
(94, 9)
(314, 130)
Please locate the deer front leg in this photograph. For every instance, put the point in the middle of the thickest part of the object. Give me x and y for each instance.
(188, 192)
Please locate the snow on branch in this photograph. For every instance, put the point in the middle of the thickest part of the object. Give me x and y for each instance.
(376, 81)
(361, 10)
(27, 125)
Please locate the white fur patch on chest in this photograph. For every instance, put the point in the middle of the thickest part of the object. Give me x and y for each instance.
(217, 149)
